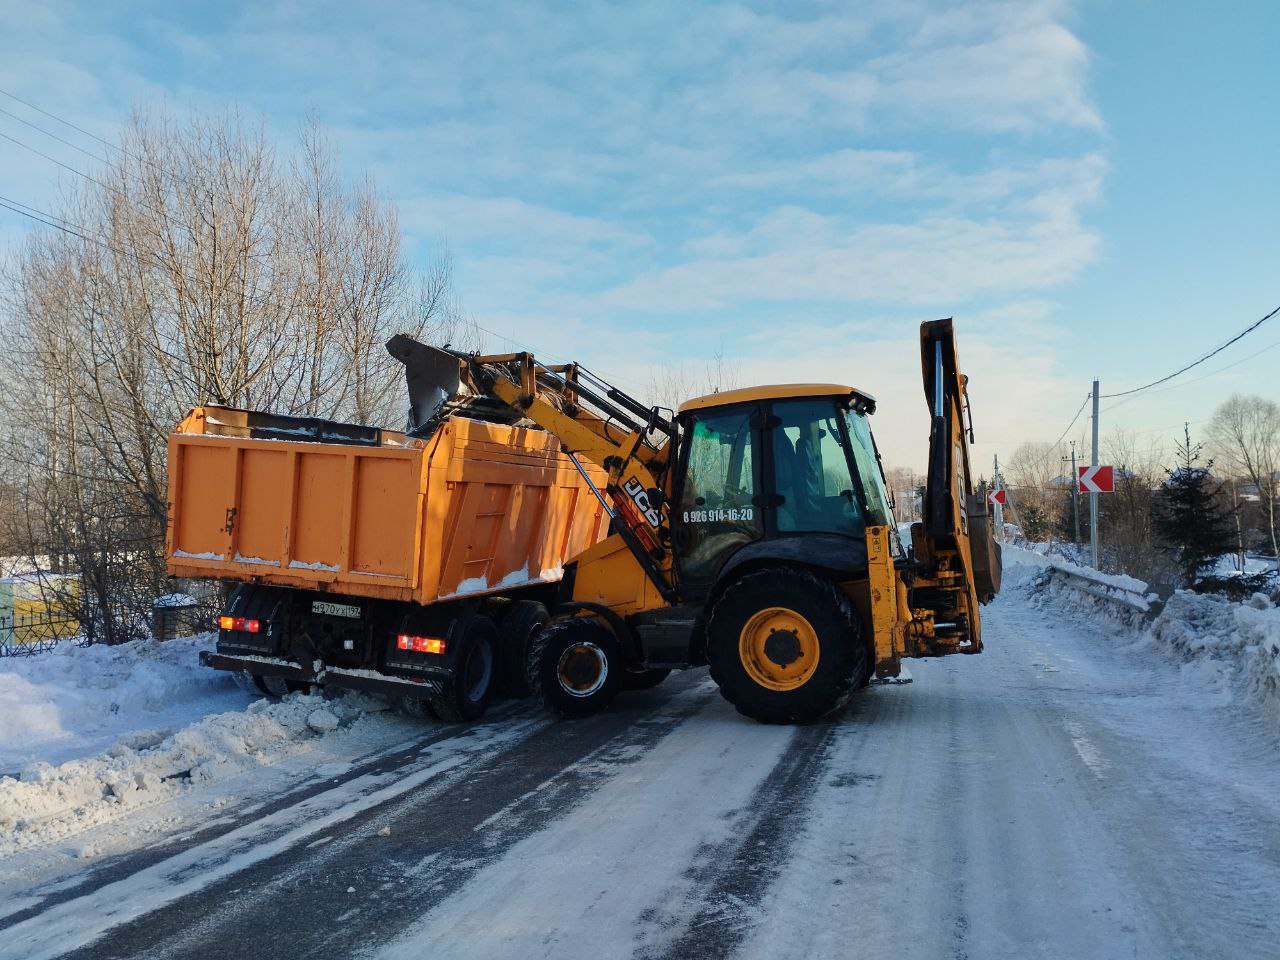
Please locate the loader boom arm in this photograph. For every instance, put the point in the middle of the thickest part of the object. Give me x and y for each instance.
(592, 419)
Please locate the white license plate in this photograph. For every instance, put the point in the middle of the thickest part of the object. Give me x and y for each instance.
(335, 609)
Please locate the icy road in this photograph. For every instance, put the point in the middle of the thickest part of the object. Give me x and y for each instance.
(1068, 794)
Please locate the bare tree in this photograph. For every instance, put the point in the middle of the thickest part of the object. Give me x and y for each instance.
(1032, 473)
(906, 487)
(670, 386)
(1244, 434)
(200, 267)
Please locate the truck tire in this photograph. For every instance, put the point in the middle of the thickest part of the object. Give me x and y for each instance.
(419, 708)
(638, 678)
(277, 688)
(518, 627)
(575, 667)
(786, 646)
(466, 695)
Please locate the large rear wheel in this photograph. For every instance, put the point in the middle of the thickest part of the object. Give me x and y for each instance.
(519, 626)
(277, 688)
(467, 693)
(786, 646)
(575, 667)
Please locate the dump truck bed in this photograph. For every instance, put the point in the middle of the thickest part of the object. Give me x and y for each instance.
(475, 508)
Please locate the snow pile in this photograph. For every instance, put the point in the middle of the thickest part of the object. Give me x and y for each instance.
(1231, 647)
(74, 701)
(1235, 645)
(1119, 599)
(146, 767)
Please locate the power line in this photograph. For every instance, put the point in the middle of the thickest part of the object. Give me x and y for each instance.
(54, 136)
(1087, 398)
(1195, 363)
(121, 150)
(1201, 379)
(54, 116)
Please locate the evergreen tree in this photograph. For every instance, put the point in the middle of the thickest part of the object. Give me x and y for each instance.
(1035, 524)
(1190, 514)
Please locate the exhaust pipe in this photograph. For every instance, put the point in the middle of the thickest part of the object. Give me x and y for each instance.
(431, 374)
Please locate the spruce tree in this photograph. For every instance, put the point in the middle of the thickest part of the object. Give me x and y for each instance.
(1190, 514)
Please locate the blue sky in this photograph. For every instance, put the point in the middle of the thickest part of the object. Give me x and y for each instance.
(1090, 188)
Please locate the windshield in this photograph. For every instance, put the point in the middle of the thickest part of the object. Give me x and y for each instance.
(868, 467)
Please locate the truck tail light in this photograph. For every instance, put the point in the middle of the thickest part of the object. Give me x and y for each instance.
(419, 644)
(240, 623)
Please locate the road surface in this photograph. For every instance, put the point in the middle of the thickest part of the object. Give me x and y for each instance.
(1066, 794)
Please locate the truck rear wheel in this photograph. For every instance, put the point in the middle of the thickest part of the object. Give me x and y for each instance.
(575, 667)
(467, 693)
(786, 646)
(518, 627)
(277, 688)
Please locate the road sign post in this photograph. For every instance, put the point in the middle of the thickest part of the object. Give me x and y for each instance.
(1093, 497)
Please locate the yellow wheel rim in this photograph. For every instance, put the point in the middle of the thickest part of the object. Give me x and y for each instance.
(778, 648)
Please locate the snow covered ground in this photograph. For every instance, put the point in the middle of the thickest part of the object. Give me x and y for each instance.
(1082, 789)
(1227, 650)
(76, 701)
(104, 748)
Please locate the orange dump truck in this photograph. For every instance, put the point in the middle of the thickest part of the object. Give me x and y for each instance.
(368, 559)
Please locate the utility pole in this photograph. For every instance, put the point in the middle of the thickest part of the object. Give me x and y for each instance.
(1093, 497)
(996, 484)
(1075, 491)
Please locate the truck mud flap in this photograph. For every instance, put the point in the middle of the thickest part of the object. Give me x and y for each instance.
(388, 686)
(260, 666)
(331, 678)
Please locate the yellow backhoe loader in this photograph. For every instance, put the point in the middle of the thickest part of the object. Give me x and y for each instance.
(751, 531)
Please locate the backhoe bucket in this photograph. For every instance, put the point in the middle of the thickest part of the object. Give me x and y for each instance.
(431, 374)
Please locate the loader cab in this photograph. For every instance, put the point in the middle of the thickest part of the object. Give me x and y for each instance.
(786, 472)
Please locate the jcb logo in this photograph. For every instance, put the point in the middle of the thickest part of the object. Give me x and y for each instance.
(635, 489)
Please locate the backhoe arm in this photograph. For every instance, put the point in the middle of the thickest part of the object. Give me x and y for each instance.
(958, 563)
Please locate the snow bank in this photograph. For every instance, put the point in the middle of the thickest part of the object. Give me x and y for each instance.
(1122, 601)
(47, 802)
(74, 701)
(1230, 647)
(1236, 646)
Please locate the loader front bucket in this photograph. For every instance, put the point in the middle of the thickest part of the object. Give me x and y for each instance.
(431, 374)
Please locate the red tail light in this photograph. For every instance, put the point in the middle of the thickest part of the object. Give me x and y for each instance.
(420, 644)
(240, 623)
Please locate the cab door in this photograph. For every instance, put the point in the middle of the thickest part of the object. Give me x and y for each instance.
(718, 508)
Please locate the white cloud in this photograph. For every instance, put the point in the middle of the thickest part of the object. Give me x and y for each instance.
(650, 181)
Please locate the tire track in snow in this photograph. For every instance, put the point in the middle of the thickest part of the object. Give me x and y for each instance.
(734, 873)
(334, 898)
(398, 758)
(578, 888)
(134, 899)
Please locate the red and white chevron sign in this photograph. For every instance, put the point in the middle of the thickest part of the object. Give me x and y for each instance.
(996, 496)
(1097, 480)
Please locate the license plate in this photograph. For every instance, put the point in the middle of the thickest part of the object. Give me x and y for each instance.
(335, 609)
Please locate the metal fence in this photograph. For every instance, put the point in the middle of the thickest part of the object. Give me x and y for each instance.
(24, 635)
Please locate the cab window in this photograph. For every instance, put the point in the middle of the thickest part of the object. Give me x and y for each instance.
(816, 491)
(717, 502)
